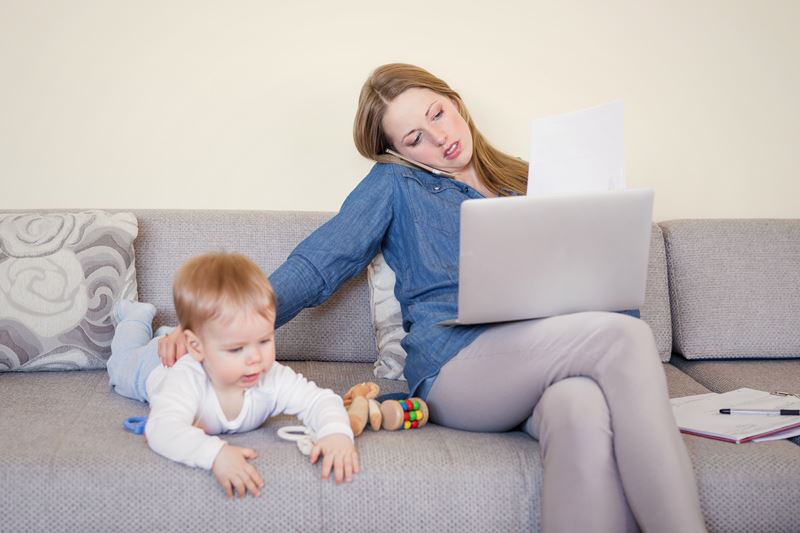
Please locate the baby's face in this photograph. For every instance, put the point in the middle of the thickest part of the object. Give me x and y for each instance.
(237, 352)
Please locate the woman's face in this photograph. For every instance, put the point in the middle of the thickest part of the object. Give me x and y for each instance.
(425, 126)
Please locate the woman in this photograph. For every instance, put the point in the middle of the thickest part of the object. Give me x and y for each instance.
(588, 386)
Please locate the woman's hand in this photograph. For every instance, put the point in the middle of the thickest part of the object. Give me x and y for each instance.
(339, 454)
(235, 473)
(172, 347)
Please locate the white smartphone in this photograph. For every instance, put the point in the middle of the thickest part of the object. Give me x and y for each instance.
(423, 166)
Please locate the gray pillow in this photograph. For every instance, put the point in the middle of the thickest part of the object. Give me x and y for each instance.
(60, 273)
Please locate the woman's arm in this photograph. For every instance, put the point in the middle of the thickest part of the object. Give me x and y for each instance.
(337, 250)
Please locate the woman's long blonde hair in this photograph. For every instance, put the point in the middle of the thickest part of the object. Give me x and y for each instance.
(498, 171)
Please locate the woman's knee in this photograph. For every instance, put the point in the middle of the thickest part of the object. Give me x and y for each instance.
(573, 408)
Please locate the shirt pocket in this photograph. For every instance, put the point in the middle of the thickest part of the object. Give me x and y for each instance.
(436, 212)
(436, 206)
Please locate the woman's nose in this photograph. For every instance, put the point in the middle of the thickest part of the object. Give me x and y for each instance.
(439, 136)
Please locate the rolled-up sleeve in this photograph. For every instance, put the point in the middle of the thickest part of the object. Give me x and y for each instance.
(337, 250)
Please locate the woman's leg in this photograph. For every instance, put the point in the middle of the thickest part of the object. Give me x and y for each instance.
(134, 351)
(509, 367)
(573, 426)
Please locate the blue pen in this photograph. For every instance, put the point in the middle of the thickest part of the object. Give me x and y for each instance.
(767, 412)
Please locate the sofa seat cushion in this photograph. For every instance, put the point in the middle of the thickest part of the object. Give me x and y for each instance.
(73, 468)
(747, 487)
(680, 384)
(761, 374)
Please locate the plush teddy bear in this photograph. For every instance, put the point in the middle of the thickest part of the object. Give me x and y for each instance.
(362, 407)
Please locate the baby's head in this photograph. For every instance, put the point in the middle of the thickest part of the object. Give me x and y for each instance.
(226, 307)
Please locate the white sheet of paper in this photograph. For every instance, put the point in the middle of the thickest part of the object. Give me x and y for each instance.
(700, 413)
(579, 151)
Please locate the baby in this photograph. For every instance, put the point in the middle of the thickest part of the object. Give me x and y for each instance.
(229, 382)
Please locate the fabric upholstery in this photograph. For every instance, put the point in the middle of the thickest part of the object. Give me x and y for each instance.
(734, 287)
(74, 468)
(60, 274)
(338, 330)
(387, 320)
(656, 310)
(63, 444)
(67, 464)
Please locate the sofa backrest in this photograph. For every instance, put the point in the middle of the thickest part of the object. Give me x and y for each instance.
(734, 287)
(339, 330)
(656, 309)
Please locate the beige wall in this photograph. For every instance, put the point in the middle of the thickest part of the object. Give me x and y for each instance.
(249, 105)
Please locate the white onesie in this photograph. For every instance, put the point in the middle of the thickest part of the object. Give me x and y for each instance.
(182, 398)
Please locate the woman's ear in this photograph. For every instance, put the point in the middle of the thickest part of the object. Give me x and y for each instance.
(194, 345)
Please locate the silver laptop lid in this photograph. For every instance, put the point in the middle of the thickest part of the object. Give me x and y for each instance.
(536, 256)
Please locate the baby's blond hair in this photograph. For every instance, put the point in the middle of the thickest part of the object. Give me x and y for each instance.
(219, 285)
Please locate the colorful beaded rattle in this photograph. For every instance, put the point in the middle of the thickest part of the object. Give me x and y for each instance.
(404, 414)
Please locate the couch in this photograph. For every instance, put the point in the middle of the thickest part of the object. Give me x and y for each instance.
(722, 301)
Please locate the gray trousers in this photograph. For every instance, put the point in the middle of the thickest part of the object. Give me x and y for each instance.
(591, 388)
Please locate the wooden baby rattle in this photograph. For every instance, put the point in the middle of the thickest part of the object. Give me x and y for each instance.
(404, 414)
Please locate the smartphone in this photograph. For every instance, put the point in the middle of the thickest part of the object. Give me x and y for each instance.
(423, 166)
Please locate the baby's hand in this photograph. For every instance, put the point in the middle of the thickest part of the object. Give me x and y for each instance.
(172, 347)
(339, 453)
(234, 472)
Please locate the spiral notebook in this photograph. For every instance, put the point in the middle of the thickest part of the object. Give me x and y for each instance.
(699, 415)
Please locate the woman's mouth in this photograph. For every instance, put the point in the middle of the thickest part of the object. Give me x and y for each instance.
(453, 150)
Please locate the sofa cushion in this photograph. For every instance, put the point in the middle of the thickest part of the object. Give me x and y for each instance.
(734, 287)
(655, 310)
(60, 274)
(73, 468)
(387, 320)
(746, 487)
(722, 376)
(338, 330)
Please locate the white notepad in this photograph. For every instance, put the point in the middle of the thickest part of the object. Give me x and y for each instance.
(699, 415)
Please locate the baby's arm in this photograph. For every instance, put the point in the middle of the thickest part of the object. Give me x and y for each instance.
(339, 454)
(234, 473)
(170, 432)
(324, 413)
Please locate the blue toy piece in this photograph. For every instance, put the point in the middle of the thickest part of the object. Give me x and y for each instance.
(135, 424)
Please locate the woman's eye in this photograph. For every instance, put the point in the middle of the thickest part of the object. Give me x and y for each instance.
(265, 341)
(417, 139)
(438, 115)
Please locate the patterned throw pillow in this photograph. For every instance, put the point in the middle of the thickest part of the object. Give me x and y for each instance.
(387, 320)
(59, 277)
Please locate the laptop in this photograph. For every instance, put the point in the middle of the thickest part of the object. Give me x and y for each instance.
(530, 257)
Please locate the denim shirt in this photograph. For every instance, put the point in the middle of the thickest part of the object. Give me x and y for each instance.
(414, 217)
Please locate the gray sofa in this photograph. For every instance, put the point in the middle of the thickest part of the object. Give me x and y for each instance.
(725, 291)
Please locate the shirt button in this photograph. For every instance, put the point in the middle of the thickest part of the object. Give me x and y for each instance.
(437, 188)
